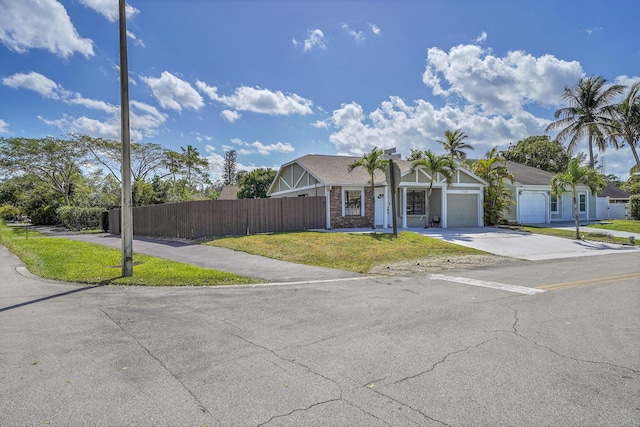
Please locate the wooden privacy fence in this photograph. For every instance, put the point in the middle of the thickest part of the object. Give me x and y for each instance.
(210, 218)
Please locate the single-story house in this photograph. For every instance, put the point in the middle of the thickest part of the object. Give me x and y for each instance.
(349, 202)
(534, 204)
(612, 203)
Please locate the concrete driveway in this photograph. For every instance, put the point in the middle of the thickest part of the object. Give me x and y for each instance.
(516, 244)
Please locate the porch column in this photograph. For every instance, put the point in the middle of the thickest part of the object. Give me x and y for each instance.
(385, 201)
(404, 207)
(327, 191)
(443, 203)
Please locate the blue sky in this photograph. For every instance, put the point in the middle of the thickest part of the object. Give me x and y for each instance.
(276, 80)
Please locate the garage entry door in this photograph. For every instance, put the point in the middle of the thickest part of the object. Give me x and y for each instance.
(533, 208)
(462, 210)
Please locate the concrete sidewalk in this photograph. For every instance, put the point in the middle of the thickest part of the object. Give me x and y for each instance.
(241, 263)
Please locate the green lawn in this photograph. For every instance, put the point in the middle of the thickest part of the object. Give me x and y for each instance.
(81, 262)
(628, 225)
(571, 234)
(358, 252)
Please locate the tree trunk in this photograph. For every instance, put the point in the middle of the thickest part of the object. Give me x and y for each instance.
(427, 207)
(591, 162)
(635, 155)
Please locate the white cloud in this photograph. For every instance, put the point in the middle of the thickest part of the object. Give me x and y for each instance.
(315, 39)
(93, 104)
(216, 162)
(260, 148)
(357, 35)
(35, 82)
(135, 39)
(4, 126)
(375, 29)
(174, 93)
(397, 124)
(499, 85)
(40, 24)
(230, 116)
(482, 37)
(109, 8)
(259, 100)
(320, 124)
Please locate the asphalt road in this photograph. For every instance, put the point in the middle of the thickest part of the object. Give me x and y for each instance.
(422, 350)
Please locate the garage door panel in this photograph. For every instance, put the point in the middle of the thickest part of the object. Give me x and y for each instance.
(462, 210)
(533, 208)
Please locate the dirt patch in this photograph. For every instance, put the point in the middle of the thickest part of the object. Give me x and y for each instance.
(440, 264)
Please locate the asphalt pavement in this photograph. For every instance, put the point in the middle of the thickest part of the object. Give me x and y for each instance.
(423, 350)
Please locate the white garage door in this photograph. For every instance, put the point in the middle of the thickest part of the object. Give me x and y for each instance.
(462, 210)
(533, 208)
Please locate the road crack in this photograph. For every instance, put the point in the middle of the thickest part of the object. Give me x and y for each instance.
(198, 402)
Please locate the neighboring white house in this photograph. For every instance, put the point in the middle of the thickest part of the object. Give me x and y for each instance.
(349, 201)
(612, 203)
(534, 204)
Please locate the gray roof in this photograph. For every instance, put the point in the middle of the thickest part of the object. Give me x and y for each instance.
(228, 192)
(614, 193)
(528, 175)
(334, 170)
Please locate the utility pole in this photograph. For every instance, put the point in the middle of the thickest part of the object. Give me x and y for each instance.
(126, 222)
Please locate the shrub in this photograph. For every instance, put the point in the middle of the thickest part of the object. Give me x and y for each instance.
(634, 207)
(8, 212)
(74, 217)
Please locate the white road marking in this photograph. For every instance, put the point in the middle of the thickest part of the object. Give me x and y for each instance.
(486, 284)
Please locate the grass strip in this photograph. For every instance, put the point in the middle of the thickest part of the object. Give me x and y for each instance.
(571, 234)
(81, 262)
(358, 252)
(628, 225)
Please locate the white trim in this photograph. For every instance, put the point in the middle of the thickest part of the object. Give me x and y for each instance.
(404, 207)
(362, 201)
(327, 191)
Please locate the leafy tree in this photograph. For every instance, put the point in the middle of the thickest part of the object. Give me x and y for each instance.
(97, 189)
(634, 207)
(497, 196)
(172, 162)
(612, 179)
(626, 122)
(255, 184)
(632, 185)
(54, 162)
(371, 162)
(229, 167)
(538, 152)
(146, 158)
(454, 144)
(443, 165)
(574, 176)
(588, 114)
(193, 164)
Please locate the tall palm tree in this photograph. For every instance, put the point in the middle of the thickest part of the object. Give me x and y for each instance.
(588, 114)
(574, 176)
(443, 165)
(626, 122)
(371, 162)
(454, 144)
(192, 161)
(497, 197)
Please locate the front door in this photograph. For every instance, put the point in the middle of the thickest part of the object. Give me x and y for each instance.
(379, 211)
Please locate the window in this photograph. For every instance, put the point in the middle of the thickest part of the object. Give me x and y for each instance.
(582, 202)
(352, 202)
(554, 204)
(415, 202)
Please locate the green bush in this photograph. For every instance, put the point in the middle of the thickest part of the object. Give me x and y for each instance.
(73, 217)
(634, 207)
(43, 215)
(8, 212)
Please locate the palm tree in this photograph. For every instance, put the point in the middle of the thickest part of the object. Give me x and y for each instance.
(497, 197)
(626, 123)
(454, 144)
(443, 165)
(371, 162)
(192, 162)
(574, 176)
(588, 114)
